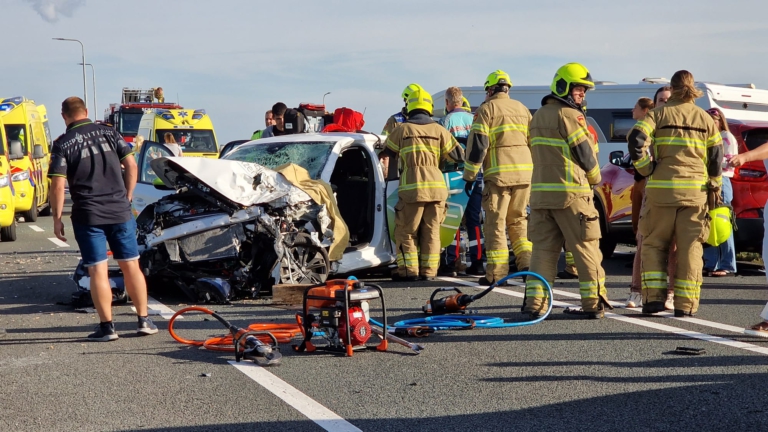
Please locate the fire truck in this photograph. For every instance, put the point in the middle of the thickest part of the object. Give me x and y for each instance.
(126, 115)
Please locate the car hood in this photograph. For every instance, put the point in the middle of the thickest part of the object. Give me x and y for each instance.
(242, 183)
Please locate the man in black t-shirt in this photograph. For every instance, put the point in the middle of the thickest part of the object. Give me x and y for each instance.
(89, 157)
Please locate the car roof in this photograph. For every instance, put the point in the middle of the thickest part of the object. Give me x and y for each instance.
(361, 138)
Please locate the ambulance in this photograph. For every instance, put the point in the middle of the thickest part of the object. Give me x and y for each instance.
(27, 137)
(7, 206)
(192, 129)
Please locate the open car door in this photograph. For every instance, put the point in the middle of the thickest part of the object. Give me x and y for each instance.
(145, 192)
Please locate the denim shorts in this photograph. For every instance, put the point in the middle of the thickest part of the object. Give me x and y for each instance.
(93, 239)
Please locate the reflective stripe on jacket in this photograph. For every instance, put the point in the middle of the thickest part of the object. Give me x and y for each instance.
(421, 149)
(687, 152)
(498, 143)
(564, 161)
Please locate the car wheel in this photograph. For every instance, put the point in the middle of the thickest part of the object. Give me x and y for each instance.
(8, 233)
(31, 214)
(607, 244)
(309, 263)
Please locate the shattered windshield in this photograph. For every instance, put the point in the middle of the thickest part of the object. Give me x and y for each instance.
(309, 155)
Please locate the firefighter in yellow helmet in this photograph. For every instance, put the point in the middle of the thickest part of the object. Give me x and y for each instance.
(399, 118)
(498, 143)
(565, 169)
(422, 145)
(686, 165)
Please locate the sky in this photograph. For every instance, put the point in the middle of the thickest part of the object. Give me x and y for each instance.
(235, 58)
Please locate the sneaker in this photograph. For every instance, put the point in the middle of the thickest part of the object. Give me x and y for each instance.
(446, 270)
(105, 332)
(670, 303)
(635, 300)
(653, 307)
(476, 269)
(146, 326)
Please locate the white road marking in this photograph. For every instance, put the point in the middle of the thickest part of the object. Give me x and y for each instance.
(643, 323)
(58, 242)
(36, 228)
(154, 307)
(304, 404)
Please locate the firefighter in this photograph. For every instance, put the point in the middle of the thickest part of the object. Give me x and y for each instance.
(685, 168)
(399, 118)
(498, 143)
(421, 144)
(565, 169)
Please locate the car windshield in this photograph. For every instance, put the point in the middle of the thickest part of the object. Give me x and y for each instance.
(129, 123)
(310, 155)
(191, 140)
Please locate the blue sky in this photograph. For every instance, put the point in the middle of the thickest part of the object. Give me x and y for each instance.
(236, 58)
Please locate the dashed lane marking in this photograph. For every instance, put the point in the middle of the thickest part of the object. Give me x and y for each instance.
(58, 242)
(304, 404)
(650, 324)
(36, 228)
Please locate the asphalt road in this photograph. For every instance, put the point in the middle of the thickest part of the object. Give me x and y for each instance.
(618, 373)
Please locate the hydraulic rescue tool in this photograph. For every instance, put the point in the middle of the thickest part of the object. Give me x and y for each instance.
(340, 311)
(258, 342)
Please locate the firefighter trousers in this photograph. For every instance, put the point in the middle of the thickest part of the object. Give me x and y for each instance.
(578, 225)
(505, 212)
(660, 226)
(417, 237)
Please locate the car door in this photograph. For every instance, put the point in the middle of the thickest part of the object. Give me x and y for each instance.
(145, 192)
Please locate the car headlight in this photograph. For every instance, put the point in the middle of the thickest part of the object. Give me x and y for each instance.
(20, 176)
(4, 181)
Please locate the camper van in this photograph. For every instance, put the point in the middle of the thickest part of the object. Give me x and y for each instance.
(610, 104)
(191, 129)
(28, 141)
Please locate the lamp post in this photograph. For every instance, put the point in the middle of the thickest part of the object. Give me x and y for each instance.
(93, 80)
(82, 51)
(325, 96)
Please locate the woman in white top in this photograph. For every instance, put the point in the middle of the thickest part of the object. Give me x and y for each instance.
(721, 260)
(170, 142)
(760, 153)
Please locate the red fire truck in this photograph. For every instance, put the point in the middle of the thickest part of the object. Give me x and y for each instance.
(126, 115)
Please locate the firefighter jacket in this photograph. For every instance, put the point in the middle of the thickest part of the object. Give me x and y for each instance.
(422, 145)
(499, 143)
(686, 154)
(564, 161)
(393, 122)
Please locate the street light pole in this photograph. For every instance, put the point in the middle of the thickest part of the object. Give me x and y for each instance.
(93, 80)
(325, 96)
(82, 52)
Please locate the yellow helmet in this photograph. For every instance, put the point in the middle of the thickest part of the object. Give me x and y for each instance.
(568, 76)
(498, 77)
(410, 89)
(720, 226)
(465, 104)
(420, 99)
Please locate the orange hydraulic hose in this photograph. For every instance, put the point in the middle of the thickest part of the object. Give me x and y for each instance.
(284, 333)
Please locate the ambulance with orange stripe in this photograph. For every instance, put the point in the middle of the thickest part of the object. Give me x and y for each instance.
(27, 138)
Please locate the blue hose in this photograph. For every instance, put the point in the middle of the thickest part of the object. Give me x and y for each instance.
(447, 322)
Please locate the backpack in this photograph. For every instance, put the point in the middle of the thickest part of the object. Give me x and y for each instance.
(294, 121)
(346, 120)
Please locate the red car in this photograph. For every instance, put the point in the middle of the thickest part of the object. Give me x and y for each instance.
(750, 192)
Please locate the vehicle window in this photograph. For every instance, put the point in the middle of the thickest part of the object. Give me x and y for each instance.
(312, 156)
(755, 138)
(620, 128)
(152, 152)
(16, 133)
(129, 122)
(47, 134)
(191, 140)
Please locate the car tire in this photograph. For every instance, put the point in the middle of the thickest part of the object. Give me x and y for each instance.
(31, 214)
(607, 244)
(308, 254)
(8, 233)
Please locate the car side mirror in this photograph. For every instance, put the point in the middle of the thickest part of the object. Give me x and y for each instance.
(17, 151)
(617, 158)
(37, 152)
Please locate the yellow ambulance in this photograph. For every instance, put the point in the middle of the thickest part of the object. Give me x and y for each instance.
(7, 206)
(191, 129)
(28, 141)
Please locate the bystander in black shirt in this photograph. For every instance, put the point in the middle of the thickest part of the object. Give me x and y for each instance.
(89, 156)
